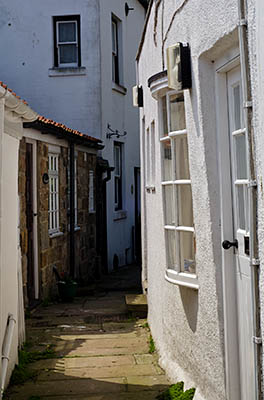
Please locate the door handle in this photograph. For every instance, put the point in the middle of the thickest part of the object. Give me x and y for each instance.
(226, 244)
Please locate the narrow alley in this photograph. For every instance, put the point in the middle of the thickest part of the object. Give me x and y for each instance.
(92, 348)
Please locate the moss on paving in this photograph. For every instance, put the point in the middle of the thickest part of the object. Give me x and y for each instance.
(22, 371)
(175, 392)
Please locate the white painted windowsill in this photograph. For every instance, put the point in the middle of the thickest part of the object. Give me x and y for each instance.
(119, 88)
(67, 71)
(182, 279)
(120, 214)
(55, 234)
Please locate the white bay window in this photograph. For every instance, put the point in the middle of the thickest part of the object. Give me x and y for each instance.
(177, 193)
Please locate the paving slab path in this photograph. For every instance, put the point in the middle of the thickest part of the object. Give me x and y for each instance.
(98, 353)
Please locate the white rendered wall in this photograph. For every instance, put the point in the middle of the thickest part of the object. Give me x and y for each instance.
(118, 111)
(28, 30)
(256, 14)
(187, 325)
(9, 243)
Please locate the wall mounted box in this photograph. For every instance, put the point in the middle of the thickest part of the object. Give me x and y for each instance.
(179, 66)
(137, 96)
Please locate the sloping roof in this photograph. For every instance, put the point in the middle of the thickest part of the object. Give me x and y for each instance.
(46, 125)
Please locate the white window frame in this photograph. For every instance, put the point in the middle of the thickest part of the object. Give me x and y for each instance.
(58, 44)
(175, 275)
(117, 54)
(91, 192)
(54, 198)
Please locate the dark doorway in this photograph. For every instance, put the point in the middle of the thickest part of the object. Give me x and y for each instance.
(137, 215)
(29, 215)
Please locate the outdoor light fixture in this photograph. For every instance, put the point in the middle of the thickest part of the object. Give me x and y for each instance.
(45, 178)
(127, 9)
(114, 133)
(137, 96)
(179, 66)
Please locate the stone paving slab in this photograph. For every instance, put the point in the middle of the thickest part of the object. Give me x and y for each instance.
(70, 388)
(147, 395)
(80, 352)
(97, 362)
(103, 372)
(107, 360)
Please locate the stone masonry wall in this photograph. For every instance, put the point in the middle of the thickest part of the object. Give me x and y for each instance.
(56, 251)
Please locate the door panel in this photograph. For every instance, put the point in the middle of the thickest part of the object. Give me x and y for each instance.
(239, 183)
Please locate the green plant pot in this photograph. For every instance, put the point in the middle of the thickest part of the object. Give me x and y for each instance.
(67, 290)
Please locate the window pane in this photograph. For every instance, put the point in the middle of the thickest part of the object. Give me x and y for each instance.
(164, 116)
(177, 114)
(241, 161)
(114, 37)
(117, 160)
(241, 206)
(67, 31)
(167, 161)
(171, 248)
(187, 252)
(169, 208)
(68, 53)
(237, 107)
(181, 158)
(184, 206)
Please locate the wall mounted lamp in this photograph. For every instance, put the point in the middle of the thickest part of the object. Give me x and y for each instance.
(116, 133)
(127, 9)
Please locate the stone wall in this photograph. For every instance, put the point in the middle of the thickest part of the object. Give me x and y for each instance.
(55, 251)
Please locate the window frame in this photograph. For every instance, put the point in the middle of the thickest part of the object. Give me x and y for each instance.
(54, 198)
(116, 50)
(66, 19)
(175, 274)
(118, 177)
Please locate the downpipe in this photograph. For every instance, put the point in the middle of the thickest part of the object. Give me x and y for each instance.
(6, 350)
(252, 187)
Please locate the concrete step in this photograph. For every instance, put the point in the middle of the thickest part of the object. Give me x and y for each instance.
(137, 304)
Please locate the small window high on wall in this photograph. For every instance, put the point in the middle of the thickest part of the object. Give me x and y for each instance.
(177, 193)
(67, 41)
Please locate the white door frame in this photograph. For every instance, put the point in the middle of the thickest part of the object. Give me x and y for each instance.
(35, 215)
(224, 65)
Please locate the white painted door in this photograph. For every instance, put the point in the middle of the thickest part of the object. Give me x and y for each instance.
(238, 245)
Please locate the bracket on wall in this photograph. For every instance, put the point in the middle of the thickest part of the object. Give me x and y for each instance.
(127, 9)
(116, 133)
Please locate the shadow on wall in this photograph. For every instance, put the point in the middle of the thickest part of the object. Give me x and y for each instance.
(190, 304)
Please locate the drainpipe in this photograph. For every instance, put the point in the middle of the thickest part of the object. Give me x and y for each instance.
(72, 216)
(252, 187)
(6, 350)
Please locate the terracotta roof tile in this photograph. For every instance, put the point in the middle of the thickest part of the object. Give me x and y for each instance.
(12, 92)
(50, 122)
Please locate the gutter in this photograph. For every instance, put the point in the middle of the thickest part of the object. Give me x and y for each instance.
(254, 245)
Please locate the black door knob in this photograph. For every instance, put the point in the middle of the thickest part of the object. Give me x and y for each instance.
(226, 244)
